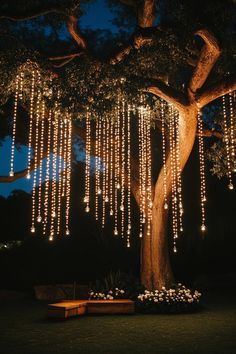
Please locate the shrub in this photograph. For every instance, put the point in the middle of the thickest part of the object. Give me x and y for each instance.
(178, 299)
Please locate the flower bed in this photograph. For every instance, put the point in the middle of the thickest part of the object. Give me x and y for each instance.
(108, 295)
(179, 299)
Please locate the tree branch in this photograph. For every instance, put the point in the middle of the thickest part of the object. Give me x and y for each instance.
(44, 10)
(208, 56)
(207, 133)
(74, 32)
(168, 94)
(145, 19)
(216, 91)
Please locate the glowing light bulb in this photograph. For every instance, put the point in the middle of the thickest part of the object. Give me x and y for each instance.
(87, 209)
(99, 191)
(111, 212)
(203, 228)
(140, 235)
(175, 249)
(106, 200)
(39, 218)
(11, 173)
(32, 229)
(165, 206)
(28, 176)
(231, 186)
(118, 186)
(67, 232)
(115, 232)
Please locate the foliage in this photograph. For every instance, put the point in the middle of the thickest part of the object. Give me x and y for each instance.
(117, 280)
(178, 299)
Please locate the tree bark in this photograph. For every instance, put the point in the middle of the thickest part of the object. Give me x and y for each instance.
(155, 263)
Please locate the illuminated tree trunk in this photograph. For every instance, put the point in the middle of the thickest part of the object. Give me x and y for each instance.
(155, 263)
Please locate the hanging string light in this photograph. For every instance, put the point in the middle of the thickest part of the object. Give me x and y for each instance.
(122, 203)
(96, 168)
(36, 154)
(104, 155)
(64, 149)
(149, 168)
(117, 166)
(142, 167)
(128, 177)
(202, 171)
(87, 162)
(54, 185)
(164, 153)
(41, 148)
(11, 173)
(179, 181)
(59, 201)
(111, 167)
(47, 177)
(231, 129)
(172, 139)
(227, 144)
(68, 178)
(107, 158)
(31, 116)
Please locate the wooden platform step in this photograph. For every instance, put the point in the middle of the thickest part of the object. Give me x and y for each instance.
(72, 308)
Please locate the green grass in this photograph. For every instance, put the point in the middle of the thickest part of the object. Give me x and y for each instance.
(25, 330)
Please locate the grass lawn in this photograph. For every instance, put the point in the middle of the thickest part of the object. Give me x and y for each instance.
(24, 329)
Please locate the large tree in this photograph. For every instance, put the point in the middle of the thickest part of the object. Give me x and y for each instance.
(179, 51)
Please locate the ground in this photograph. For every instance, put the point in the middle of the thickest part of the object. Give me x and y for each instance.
(25, 330)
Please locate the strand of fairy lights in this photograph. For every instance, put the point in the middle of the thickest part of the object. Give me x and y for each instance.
(47, 177)
(35, 157)
(68, 185)
(179, 181)
(41, 138)
(87, 162)
(64, 155)
(96, 168)
(173, 178)
(227, 144)
(31, 116)
(164, 153)
(54, 175)
(117, 167)
(103, 141)
(122, 203)
(111, 168)
(232, 138)
(202, 171)
(59, 202)
(107, 162)
(11, 173)
(140, 149)
(128, 178)
(149, 167)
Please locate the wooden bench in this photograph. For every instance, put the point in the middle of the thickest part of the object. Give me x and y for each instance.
(72, 308)
(67, 309)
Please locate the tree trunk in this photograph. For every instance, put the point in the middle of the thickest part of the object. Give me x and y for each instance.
(155, 263)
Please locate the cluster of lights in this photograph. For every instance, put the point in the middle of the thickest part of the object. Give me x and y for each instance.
(113, 168)
(48, 199)
(202, 171)
(229, 138)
